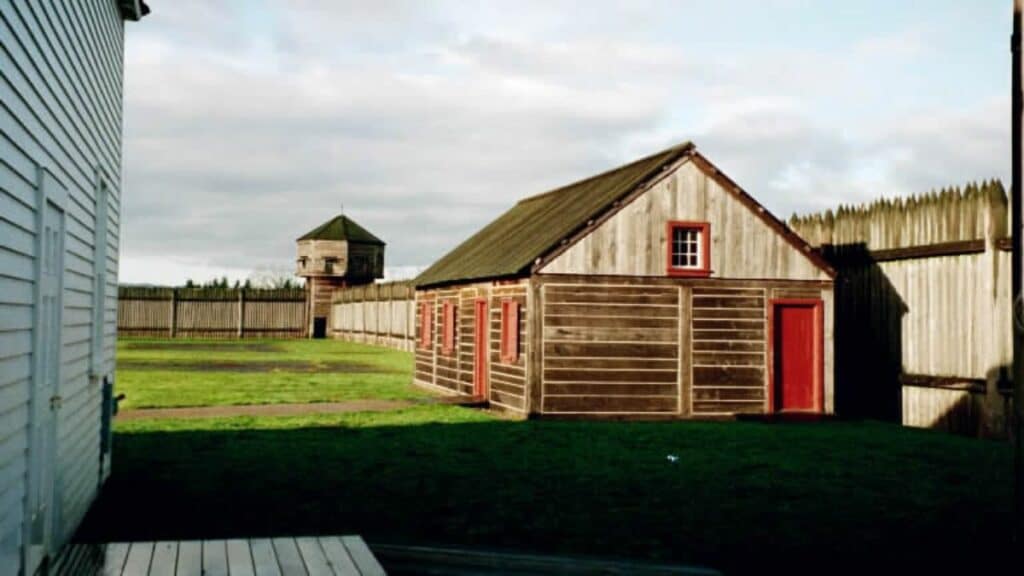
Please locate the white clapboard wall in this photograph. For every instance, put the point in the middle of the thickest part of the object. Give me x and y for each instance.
(61, 70)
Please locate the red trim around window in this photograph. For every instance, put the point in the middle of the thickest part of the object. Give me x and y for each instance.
(425, 335)
(509, 331)
(705, 237)
(448, 320)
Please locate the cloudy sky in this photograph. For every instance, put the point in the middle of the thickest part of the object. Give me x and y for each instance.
(247, 123)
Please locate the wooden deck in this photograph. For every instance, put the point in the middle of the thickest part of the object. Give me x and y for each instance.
(303, 556)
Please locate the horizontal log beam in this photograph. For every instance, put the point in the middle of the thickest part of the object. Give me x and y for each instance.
(945, 382)
(860, 254)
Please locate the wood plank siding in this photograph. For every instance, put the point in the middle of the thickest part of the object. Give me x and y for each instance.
(60, 124)
(631, 241)
(453, 373)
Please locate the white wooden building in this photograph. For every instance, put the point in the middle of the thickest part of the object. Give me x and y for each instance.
(61, 78)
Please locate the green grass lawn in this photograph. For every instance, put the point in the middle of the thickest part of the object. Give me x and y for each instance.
(745, 497)
(181, 373)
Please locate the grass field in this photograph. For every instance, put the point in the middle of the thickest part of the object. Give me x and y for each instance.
(744, 497)
(181, 373)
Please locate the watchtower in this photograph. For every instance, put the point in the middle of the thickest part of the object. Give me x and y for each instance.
(336, 254)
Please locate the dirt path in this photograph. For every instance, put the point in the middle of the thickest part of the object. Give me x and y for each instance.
(265, 409)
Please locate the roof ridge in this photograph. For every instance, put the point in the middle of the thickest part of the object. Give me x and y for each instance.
(686, 146)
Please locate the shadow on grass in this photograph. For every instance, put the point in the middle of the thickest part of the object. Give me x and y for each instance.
(741, 496)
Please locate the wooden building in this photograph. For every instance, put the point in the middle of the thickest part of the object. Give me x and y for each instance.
(656, 289)
(337, 254)
(61, 72)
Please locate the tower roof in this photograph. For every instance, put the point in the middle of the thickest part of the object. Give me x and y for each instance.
(342, 227)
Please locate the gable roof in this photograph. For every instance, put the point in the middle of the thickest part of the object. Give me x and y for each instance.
(342, 227)
(533, 228)
(509, 245)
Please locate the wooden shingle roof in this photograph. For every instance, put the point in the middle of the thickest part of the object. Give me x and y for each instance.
(342, 227)
(509, 245)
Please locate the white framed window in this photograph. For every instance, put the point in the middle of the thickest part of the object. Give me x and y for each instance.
(689, 251)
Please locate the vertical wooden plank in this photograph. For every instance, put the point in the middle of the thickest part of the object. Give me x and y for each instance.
(114, 557)
(190, 558)
(361, 555)
(264, 558)
(241, 313)
(240, 562)
(338, 556)
(288, 557)
(828, 299)
(535, 347)
(313, 557)
(215, 560)
(139, 556)
(165, 559)
(173, 320)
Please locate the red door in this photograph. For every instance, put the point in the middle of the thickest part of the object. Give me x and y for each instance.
(480, 349)
(796, 362)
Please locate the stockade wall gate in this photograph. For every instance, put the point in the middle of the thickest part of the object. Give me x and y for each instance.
(211, 313)
(923, 332)
(382, 314)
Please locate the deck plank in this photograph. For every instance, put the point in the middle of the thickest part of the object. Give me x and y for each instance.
(165, 559)
(215, 558)
(338, 556)
(313, 557)
(360, 552)
(288, 557)
(190, 558)
(264, 558)
(240, 558)
(114, 557)
(139, 556)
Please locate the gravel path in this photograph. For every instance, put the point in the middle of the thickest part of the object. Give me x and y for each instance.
(265, 409)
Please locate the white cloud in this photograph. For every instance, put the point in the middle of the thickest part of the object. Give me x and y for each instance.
(246, 127)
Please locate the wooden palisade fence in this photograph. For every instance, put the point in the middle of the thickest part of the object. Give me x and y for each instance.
(922, 307)
(211, 312)
(382, 314)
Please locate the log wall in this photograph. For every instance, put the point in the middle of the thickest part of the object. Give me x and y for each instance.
(659, 347)
(728, 350)
(610, 348)
(453, 373)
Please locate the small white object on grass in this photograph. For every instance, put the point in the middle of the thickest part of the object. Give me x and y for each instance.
(673, 458)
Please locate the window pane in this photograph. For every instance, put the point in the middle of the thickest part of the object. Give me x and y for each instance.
(685, 247)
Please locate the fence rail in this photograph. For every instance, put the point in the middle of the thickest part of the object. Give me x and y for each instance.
(382, 314)
(211, 313)
(922, 296)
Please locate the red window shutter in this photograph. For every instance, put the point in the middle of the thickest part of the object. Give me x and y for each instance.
(449, 328)
(425, 335)
(509, 331)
